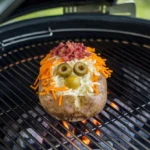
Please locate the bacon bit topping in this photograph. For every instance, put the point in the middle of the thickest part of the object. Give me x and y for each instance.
(67, 52)
(70, 51)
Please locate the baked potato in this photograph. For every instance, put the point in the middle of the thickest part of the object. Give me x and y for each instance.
(72, 82)
(89, 105)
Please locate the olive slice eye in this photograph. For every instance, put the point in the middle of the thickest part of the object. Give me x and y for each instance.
(64, 70)
(80, 68)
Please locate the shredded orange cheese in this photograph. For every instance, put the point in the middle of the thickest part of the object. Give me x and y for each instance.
(60, 100)
(54, 95)
(34, 88)
(100, 66)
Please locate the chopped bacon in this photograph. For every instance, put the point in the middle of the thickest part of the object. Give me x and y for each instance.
(70, 50)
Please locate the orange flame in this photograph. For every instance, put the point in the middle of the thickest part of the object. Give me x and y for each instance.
(67, 126)
(98, 132)
(84, 121)
(114, 106)
(96, 122)
(85, 140)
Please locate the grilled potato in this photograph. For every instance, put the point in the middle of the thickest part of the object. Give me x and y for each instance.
(89, 105)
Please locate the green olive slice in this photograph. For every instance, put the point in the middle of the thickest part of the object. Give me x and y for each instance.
(64, 70)
(72, 82)
(80, 68)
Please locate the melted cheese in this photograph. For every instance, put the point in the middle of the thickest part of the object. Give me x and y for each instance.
(86, 80)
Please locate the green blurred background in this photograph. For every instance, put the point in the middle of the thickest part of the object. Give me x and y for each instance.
(142, 11)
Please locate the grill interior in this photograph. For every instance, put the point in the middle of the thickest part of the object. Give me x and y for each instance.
(123, 124)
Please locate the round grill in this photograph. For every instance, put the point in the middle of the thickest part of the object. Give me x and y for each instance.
(126, 109)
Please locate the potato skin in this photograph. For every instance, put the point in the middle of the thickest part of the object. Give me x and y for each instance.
(68, 112)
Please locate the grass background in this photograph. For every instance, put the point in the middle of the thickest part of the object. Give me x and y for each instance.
(142, 11)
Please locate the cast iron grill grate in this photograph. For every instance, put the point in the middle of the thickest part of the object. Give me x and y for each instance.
(123, 124)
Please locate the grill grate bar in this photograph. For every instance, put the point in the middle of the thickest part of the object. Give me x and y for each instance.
(117, 72)
(75, 137)
(38, 124)
(109, 137)
(125, 126)
(140, 50)
(117, 135)
(34, 129)
(94, 142)
(130, 111)
(91, 131)
(128, 97)
(83, 133)
(142, 56)
(129, 58)
(124, 116)
(6, 145)
(46, 121)
(95, 135)
(16, 134)
(117, 59)
(16, 58)
(117, 75)
(118, 79)
(134, 100)
(17, 81)
(99, 138)
(132, 56)
(130, 76)
(131, 121)
(29, 126)
(125, 133)
(113, 131)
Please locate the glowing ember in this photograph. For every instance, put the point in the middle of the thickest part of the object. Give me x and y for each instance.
(96, 122)
(114, 106)
(67, 126)
(98, 132)
(68, 134)
(73, 131)
(84, 121)
(85, 140)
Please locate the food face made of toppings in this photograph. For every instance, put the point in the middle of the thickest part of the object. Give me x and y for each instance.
(71, 69)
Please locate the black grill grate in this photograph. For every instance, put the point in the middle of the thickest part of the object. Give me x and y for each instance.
(124, 123)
